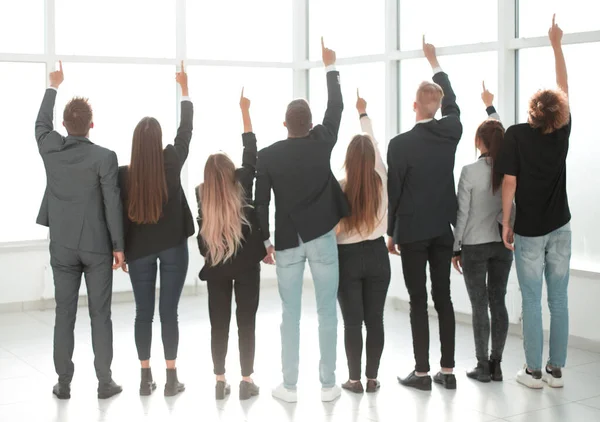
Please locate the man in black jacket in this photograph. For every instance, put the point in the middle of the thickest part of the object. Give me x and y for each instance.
(309, 204)
(422, 206)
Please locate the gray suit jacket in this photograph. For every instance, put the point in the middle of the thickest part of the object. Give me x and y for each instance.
(82, 202)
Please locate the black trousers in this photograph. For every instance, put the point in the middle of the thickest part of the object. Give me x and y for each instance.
(67, 267)
(491, 261)
(247, 290)
(364, 281)
(415, 256)
(173, 271)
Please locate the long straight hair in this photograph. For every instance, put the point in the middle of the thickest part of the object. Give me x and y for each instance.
(491, 133)
(147, 182)
(363, 187)
(222, 204)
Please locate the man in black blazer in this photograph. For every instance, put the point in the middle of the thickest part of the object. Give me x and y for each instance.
(82, 208)
(309, 203)
(422, 208)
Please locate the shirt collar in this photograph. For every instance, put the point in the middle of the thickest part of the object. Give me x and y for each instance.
(423, 121)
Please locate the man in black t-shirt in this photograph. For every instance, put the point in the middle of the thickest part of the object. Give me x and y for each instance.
(533, 161)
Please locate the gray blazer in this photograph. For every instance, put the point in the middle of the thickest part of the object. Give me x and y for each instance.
(479, 210)
(82, 202)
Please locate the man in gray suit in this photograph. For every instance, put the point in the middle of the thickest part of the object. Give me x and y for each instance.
(82, 208)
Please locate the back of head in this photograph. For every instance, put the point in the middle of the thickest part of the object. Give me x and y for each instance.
(363, 187)
(548, 110)
(78, 117)
(298, 118)
(147, 182)
(491, 134)
(222, 202)
(429, 99)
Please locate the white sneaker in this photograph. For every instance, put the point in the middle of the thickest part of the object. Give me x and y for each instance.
(533, 380)
(554, 379)
(282, 393)
(330, 394)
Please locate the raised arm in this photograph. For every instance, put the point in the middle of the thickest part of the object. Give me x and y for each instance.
(247, 173)
(367, 127)
(44, 122)
(449, 106)
(113, 208)
(488, 100)
(555, 34)
(184, 133)
(335, 104)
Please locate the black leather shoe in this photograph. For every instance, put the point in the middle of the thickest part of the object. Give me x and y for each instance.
(496, 370)
(447, 380)
(372, 386)
(481, 372)
(354, 387)
(147, 384)
(106, 391)
(420, 383)
(173, 386)
(222, 389)
(62, 391)
(248, 390)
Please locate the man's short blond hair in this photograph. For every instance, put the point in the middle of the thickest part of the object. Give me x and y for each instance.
(429, 98)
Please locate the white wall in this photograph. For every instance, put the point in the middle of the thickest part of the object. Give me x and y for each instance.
(25, 276)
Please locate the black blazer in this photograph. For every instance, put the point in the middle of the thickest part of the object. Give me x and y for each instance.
(253, 249)
(309, 201)
(176, 223)
(422, 197)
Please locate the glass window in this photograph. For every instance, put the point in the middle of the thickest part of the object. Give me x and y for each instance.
(535, 16)
(350, 27)
(121, 95)
(536, 71)
(22, 26)
(132, 28)
(370, 80)
(466, 85)
(447, 23)
(21, 167)
(240, 29)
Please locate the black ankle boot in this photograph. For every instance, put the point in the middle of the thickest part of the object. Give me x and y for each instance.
(495, 370)
(173, 386)
(147, 384)
(481, 372)
(222, 389)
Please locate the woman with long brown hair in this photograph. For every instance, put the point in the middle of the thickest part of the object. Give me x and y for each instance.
(158, 222)
(231, 243)
(363, 255)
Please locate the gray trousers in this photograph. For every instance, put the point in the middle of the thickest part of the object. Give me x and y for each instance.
(67, 266)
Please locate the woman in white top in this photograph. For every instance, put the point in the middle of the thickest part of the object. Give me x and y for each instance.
(363, 256)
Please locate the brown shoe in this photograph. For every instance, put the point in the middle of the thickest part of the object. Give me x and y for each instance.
(355, 387)
(372, 386)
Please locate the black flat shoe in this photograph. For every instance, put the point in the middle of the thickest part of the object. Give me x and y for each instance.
(62, 391)
(222, 389)
(496, 370)
(414, 381)
(147, 384)
(106, 391)
(248, 390)
(173, 386)
(354, 387)
(447, 380)
(373, 386)
(481, 372)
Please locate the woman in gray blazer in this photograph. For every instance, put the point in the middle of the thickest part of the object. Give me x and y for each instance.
(478, 248)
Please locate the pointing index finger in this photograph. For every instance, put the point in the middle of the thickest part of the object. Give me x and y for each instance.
(242, 96)
(553, 19)
(182, 67)
(357, 94)
(322, 44)
(423, 40)
(60, 65)
(483, 85)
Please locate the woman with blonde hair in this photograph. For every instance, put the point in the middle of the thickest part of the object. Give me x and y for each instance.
(363, 256)
(231, 243)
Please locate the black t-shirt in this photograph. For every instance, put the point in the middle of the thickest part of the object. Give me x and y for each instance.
(539, 162)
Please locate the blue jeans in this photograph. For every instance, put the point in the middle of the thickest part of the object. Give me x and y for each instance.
(534, 257)
(322, 256)
(142, 271)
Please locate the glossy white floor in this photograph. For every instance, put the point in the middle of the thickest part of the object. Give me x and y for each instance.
(27, 376)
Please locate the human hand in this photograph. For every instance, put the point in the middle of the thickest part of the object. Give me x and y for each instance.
(244, 102)
(555, 33)
(486, 96)
(392, 247)
(328, 55)
(457, 263)
(429, 51)
(270, 258)
(361, 104)
(57, 77)
(124, 267)
(182, 80)
(119, 258)
(508, 236)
